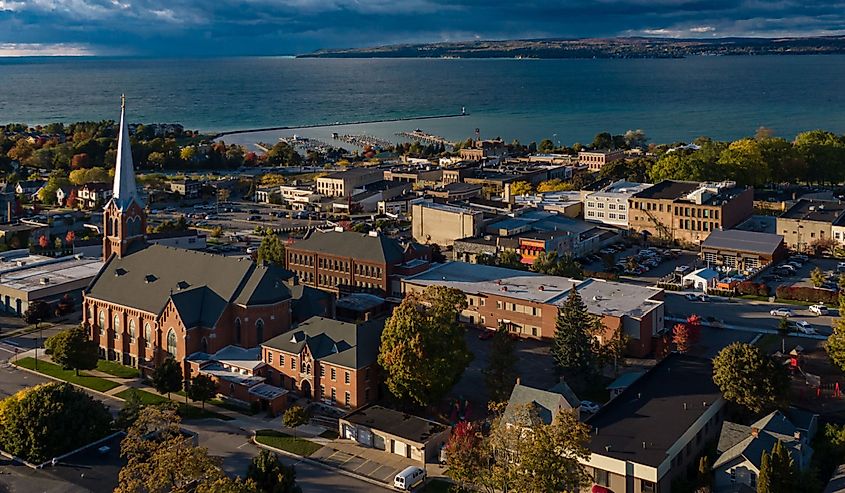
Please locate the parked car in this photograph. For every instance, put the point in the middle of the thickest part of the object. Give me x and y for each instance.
(589, 407)
(486, 334)
(804, 327)
(251, 250)
(781, 312)
(683, 269)
(691, 296)
(407, 479)
(819, 309)
(703, 297)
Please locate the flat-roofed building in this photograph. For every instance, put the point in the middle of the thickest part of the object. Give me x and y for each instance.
(595, 160)
(810, 222)
(442, 224)
(527, 302)
(610, 204)
(743, 250)
(686, 212)
(656, 428)
(344, 183)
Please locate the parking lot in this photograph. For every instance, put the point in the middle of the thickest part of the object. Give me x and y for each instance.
(648, 264)
(375, 464)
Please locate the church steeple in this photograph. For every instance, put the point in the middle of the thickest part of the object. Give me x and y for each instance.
(124, 220)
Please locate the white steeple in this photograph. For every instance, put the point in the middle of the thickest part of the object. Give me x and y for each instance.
(125, 190)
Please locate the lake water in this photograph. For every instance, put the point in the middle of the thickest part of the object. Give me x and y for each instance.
(565, 100)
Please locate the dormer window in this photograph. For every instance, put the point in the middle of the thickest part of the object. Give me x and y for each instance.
(150, 278)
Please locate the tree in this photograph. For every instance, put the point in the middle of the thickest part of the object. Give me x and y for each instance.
(554, 185)
(43, 242)
(465, 454)
(764, 480)
(70, 237)
(272, 250)
(602, 140)
(835, 344)
(817, 277)
(159, 458)
(743, 162)
(202, 388)
(167, 377)
(778, 473)
(749, 378)
(574, 347)
(227, 485)
(270, 475)
(546, 145)
(72, 348)
(423, 350)
(554, 265)
(686, 334)
(128, 414)
(520, 188)
(500, 373)
(50, 419)
(36, 312)
(295, 416)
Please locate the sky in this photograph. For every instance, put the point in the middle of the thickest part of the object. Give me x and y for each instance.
(284, 27)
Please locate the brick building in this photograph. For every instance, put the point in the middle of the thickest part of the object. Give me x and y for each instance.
(151, 302)
(327, 359)
(344, 183)
(527, 303)
(344, 261)
(686, 212)
(595, 160)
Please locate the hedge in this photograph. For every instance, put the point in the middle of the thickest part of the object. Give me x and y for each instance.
(752, 288)
(811, 295)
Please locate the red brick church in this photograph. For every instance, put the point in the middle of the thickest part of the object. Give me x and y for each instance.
(151, 302)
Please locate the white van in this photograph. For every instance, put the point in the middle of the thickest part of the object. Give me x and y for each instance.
(408, 478)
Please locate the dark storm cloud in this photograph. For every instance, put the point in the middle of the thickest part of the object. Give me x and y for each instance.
(229, 27)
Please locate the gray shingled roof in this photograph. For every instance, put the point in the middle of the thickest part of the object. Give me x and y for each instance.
(544, 402)
(773, 427)
(397, 423)
(200, 284)
(350, 244)
(743, 241)
(341, 343)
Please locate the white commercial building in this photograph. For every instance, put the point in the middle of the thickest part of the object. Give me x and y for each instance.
(610, 204)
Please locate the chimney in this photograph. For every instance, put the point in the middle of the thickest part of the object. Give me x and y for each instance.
(517, 380)
(755, 432)
(797, 435)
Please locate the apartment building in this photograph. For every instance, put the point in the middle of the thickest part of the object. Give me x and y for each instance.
(595, 160)
(609, 205)
(686, 212)
(327, 359)
(809, 222)
(340, 261)
(344, 183)
(527, 302)
(483, 149)
(442, 224)
(656, 428)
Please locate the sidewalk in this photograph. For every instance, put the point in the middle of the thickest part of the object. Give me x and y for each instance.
(757, 330)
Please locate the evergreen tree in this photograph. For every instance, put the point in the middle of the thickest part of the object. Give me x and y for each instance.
(500, 373)
(783, 473)
(574, 347)
(764, 481)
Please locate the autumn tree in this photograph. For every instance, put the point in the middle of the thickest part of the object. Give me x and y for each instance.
(167, 377)
(72, 348)
(817, 277)
(45, 421)
(554, 185)
(520, 188)
(466, 454)
(575, 347)
(272, 250)
(749, 378)
(686, 334)
(835, 344)
(500, 373)
(160, 458)
(270, 475)
(423, 351)
(201, 388)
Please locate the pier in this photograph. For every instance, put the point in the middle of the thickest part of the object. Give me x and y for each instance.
(425, 137)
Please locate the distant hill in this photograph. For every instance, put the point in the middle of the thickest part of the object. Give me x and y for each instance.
(624, 47)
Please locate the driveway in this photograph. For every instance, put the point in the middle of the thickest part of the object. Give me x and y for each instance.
(375, 464)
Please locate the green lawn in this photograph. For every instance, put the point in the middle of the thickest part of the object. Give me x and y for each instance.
(187, 411)
(283, 441)
(438, 486)
(88, 381)
(116, 369)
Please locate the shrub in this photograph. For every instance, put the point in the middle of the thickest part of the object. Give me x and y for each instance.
(808, 294)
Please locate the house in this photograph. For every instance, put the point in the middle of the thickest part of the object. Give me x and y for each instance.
(527, 303)
(29, 187)
(395, 432)
(62, 194)
(341, 261)
(93, 195)
(686, 212)
(742, 250)
(239, 376)
(837, 481)
(703, 279)
(545, 404)
(741, 447)
(186, 188)
(656, 428)
(152, 302)
(809, 222)
(442, 224)
(327, 359)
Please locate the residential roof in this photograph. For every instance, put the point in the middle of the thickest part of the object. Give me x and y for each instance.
(738, 440)
(601, 297)
(826, 211)
(342, 343)
(625, 380)
(200, 284)
(743, 241)
(403, 425)
(359, 246)
(837, 481)
(546, 403)
(656, 410)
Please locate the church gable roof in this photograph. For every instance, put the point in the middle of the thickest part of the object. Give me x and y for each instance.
(342, 343)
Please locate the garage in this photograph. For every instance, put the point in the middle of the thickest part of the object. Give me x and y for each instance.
(399, 448)
(378, 442)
